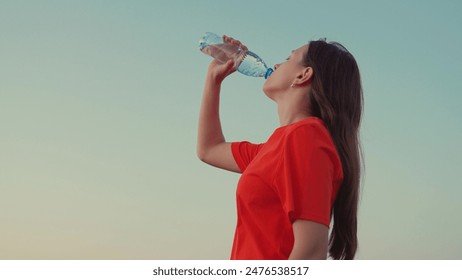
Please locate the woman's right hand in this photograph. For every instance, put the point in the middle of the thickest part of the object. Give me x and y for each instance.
(219, 71)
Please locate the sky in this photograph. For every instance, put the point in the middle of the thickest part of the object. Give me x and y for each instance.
(99, 103)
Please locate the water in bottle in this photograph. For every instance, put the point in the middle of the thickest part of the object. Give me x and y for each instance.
(246, 62)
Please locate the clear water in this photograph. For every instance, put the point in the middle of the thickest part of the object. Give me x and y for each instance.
(247, 63)
(252, 65)
(209, 39)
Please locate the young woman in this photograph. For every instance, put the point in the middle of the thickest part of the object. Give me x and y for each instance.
(308, 170)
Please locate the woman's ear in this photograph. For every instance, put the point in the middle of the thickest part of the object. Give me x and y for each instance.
(304, 78)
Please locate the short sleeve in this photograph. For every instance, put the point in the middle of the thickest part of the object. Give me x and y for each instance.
(305, 178)
(244, 152)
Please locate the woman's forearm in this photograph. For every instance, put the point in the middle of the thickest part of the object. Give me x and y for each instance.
(209, 129)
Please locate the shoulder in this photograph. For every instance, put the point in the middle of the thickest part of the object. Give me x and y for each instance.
(309, 141)
(311, 138)
(311, 129)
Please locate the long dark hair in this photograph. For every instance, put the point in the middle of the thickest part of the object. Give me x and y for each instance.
(336, 98)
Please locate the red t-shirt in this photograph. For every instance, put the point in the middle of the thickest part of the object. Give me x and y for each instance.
(294, 175)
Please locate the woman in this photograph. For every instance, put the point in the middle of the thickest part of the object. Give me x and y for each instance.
(308, 170)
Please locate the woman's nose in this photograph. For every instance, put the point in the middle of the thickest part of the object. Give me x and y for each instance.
(276, 66)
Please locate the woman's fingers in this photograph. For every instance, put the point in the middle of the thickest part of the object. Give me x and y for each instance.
(233, 41)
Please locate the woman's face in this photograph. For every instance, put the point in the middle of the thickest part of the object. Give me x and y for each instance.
(285, 73)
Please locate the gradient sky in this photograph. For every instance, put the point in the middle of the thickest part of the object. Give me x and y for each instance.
(98, 115)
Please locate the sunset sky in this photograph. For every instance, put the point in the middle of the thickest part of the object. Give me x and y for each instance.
(99, 102)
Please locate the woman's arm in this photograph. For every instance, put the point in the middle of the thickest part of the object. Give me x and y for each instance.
(311, 240)
(211, 145)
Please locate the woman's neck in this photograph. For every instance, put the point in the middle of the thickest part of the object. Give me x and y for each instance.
(292, 108)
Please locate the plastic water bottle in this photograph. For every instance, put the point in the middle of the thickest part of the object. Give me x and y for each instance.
(246, 62)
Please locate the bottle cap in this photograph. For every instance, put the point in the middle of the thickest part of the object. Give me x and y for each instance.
(268, 73)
